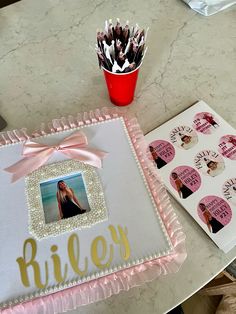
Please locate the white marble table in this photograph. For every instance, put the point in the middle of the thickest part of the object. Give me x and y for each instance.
(48, 69)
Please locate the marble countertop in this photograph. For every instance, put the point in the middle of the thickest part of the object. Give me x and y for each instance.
(48, 69)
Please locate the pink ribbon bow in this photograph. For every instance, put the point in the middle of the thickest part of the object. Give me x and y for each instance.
(73, 146)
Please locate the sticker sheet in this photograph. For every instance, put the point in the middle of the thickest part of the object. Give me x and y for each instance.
(195, 153)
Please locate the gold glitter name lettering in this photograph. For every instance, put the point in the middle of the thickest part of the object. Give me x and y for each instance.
(122, 241)
(73, 253)
(97, 260)
(23, 264)
(101, 255)
(57, 265)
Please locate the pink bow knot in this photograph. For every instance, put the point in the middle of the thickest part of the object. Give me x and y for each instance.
(73, 146)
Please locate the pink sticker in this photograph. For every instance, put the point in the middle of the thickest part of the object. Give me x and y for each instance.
(185, 180)
(227, 146)
(183, 137)
(209, 163)
(162, 152)
(229, 190)
(205, 122)
(214, 212)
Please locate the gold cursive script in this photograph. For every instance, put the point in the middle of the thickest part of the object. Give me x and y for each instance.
(102, 256)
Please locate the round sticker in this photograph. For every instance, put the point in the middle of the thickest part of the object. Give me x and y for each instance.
(227, 146)
(205, 122)
(209, 163)
(214, 212)
(162, 152)
(229, 190)
(185, 180)
(183, 137)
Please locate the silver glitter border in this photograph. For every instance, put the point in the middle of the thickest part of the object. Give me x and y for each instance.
(98, 213)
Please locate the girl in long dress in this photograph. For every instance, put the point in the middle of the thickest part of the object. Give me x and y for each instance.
(158, 160)
(210, 120)
(182, 189)
(212, 223)
(68, 203)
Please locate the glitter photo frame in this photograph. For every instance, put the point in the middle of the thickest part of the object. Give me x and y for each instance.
(97, 213)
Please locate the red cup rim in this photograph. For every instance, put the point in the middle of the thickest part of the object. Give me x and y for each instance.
(123, 73)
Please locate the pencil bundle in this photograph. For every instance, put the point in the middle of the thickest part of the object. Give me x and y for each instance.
(120, 49)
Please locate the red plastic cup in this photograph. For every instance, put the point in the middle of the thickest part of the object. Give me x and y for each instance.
(121, 86)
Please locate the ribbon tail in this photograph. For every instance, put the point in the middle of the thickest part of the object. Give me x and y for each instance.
(86, 155)
(26, 166)
(77, 139)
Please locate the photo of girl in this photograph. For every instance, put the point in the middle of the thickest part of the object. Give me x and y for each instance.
(209, 118)
(68, 204)
(212, 223)
(232, 140)
(158, 160)
(64, 197)
(205, 122)
(182, 189)
(183, 136)
(227, 146)
(214, 167)
(209, 163)
(186, 141)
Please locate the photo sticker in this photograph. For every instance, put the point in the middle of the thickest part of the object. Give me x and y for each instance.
(214, 212)
(162, 152)
(185, 180)
(209, 163)
(64, 197)
(229, 190)
(205, 122)
(227, 146)
(183, 137)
